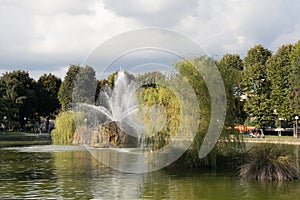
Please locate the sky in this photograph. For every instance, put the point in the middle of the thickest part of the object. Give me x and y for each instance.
(46, 36)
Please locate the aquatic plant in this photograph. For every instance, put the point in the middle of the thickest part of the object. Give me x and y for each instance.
(269, 163)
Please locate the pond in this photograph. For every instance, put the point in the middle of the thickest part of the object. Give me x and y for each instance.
(72, 173)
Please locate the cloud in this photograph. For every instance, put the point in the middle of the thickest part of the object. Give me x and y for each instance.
(234, 26)
(51, 34)
(164, 13)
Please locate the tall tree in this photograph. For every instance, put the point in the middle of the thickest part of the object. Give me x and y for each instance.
(2, 102)
(85, 86)
(19, 97)
(295, 78)
(47, 91)
(257, 55)
(257, 87)
(66, 89)
(278, 70)
(231, 66)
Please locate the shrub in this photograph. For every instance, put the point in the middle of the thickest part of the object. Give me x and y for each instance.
(270, 163)
(65, 127)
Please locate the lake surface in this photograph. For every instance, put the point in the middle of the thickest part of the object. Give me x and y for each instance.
(43, 172)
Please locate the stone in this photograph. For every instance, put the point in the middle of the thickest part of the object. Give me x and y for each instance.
(106, 135)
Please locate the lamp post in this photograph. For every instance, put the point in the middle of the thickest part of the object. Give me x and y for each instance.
(4, 119)
(280, 119)
(296, 128)
(25, 124)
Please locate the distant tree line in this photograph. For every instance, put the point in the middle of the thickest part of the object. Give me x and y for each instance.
(261, 89)
(24, 100)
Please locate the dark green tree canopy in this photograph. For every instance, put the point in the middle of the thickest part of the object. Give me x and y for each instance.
(85, 86)
(257, 55)
(295, 78)
(278, 69)
(19, 97)
(66, 90)
(231, 66)
(256, 87)
(47, 92)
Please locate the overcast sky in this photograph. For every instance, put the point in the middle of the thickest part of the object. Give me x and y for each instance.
(42, 36)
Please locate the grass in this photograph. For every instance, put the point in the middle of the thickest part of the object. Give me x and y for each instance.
(274, 140)
(12, 132)
(270, 163)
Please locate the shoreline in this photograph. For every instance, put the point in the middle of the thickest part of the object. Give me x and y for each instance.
(44, 138)
(25, 137)
(273, 140)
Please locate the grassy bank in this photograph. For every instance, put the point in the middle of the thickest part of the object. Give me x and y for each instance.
(274, 140)
(24, 139)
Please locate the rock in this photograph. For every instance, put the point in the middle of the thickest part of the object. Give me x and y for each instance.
(117, 137)
(81, 136)
(106, 135)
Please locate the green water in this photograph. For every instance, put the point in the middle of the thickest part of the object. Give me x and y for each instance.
(76, 175)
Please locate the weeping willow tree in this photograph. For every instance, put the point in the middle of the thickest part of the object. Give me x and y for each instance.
(159, 109)
(172, 99)
(190, 72)
(65, 126)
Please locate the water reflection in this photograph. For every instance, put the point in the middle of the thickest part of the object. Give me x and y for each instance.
(77, 175)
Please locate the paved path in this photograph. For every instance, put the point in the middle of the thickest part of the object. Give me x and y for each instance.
(274, 140)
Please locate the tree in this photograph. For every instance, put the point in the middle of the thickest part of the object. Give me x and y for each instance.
(85, 86)
(66, 89)
(295, 78)
(2, 102)
(47, 91)
(19, 97)
(257, 87)
(231, 66)
(278, 69)
(257, 55)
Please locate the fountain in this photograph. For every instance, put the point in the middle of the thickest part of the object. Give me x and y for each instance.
(117, 120)
(113, 120)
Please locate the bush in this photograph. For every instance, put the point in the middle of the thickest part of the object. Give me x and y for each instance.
(65, 127)
(270, 163)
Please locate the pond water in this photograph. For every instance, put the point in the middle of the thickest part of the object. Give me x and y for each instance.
(72, 173)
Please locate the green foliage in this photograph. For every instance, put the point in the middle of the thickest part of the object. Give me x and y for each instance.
(65, 127)
(257, 55)
(295, 78)
(231, 67)
(66, 89)
(270, 163)
(230, 150)
(278, 70)
(18, 96)
(85, 85)
(111, 79)
(189, 70)
(47, 89)
(257, 87)
(154, 100)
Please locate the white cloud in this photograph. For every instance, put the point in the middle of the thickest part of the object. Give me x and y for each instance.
(50, 34)
(235, 26)
(152, 13)
(51, 38)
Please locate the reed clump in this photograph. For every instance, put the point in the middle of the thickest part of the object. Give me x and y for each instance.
(269, 163)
